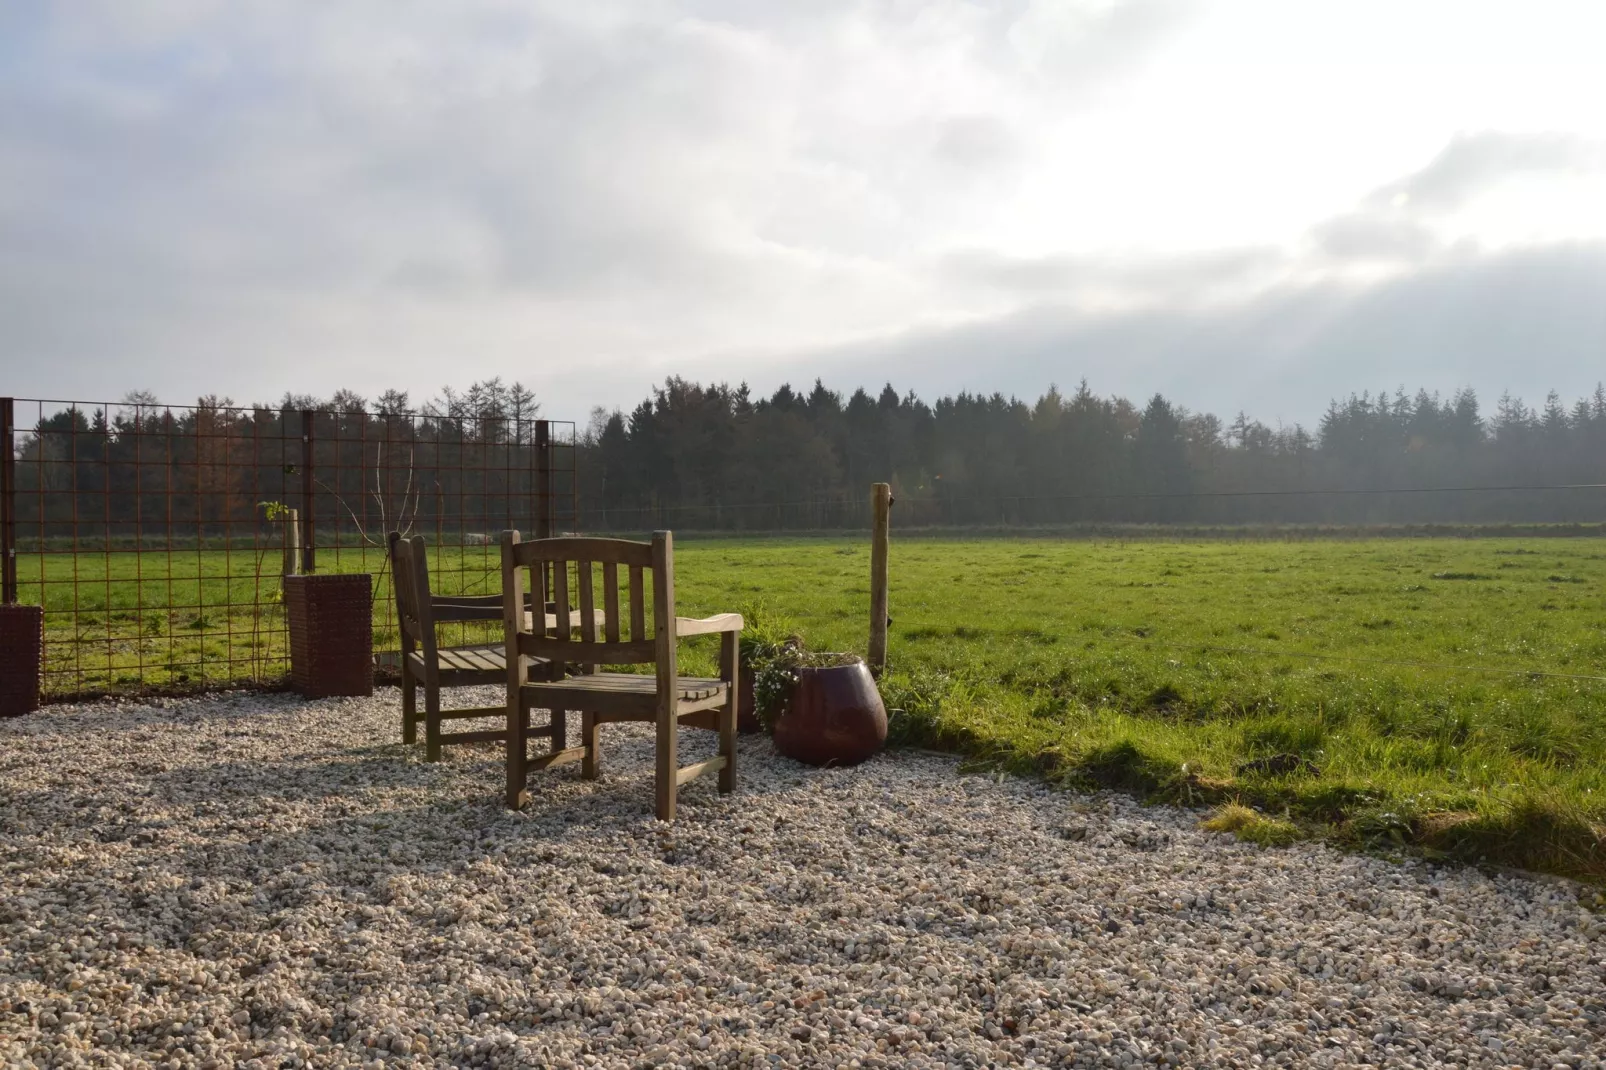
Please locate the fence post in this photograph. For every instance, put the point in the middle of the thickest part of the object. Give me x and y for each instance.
(292, 543)
(8, 504)
(880, 520)
(308, 550)
(543, 479)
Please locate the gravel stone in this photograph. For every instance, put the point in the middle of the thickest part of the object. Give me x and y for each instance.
(257, 881)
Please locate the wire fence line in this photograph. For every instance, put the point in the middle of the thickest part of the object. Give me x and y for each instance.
(1584, 503)
(1145, 495)
(155, 536)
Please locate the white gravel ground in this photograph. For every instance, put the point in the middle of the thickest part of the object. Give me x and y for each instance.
(259, 881)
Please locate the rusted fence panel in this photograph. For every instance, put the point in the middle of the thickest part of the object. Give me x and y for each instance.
(154, 536)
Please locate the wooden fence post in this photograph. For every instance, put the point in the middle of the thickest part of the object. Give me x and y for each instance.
(309, 560)
(543, 480)
(292, 543)
(880, 519)
(8, 505)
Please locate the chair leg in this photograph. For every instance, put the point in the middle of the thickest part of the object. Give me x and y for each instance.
(727, 746)
(409, 690)
(432, 721)
(730, 656)
(559, 730)
(591, 740)
(518, 723)
(668, 760)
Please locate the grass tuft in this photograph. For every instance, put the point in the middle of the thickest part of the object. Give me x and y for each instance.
(1549, 835)
(1253, 826)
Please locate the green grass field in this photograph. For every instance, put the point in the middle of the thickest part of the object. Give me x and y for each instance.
(201, 617)
(1342, 687)
(1179, 670)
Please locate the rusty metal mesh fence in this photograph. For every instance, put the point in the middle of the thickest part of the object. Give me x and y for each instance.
(155, 536)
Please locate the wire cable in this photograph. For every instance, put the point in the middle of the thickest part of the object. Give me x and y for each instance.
(1124, 496)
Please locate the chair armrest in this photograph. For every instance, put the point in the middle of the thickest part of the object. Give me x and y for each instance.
(721, 622)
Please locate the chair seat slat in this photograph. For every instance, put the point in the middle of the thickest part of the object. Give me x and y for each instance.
(691, 688)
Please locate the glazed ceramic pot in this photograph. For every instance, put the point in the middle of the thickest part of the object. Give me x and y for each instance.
(833, 716)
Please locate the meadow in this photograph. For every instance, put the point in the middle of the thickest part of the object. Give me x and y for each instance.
(1383, 692)
(200, 616)
(1438, 692)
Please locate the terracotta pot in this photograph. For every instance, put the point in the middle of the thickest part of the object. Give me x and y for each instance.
(833, 716)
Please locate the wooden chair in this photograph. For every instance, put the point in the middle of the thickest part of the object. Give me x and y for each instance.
(424, 662)
(664, 698)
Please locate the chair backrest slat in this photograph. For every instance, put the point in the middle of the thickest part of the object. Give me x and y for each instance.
(610, 600)
(592, 643)
(638, 614)
(401, 583)
(410, 579)
(560, 600)
(540, 592)
(415, 560)
(570, 548)
(588, 603)
(663, 613)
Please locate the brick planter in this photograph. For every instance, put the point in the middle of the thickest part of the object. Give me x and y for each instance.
(22, 658)
(331, 634)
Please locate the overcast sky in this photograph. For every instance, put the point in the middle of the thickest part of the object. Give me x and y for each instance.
(1249, 204)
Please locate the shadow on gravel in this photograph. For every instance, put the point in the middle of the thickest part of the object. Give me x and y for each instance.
(385, 800)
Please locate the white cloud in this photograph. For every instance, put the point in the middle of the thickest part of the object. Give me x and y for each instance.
(1526, 320)
(1374, 236)
(256, 196)
(1472, 164)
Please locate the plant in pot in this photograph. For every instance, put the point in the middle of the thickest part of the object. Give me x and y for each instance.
(822, 708)
(765, 637)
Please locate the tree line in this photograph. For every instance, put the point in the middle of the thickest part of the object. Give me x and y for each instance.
(140, 473)
(715, 457)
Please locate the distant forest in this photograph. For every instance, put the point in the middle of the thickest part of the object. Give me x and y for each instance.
(714, 457)
(723, 458)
